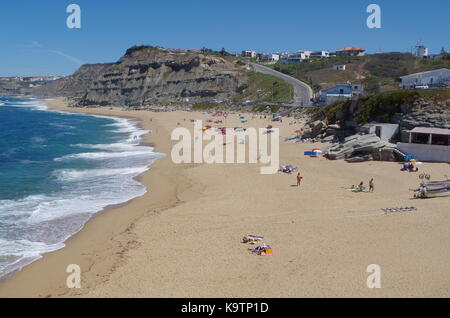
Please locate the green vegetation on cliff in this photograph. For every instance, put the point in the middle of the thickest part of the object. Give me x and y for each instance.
(265, 88)
(137, 48)
(372, 70)
(204, 106)
(379, 107)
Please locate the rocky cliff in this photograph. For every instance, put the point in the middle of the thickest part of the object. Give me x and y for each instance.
(149, 75)
(409, 109)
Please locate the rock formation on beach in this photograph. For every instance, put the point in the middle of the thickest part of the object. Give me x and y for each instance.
(409, 109)
(341, 123)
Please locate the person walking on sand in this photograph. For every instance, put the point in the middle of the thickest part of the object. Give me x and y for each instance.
(299, 179)
(371, 185)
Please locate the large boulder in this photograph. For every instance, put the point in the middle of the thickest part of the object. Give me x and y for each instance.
(318, 127)
(357, 145)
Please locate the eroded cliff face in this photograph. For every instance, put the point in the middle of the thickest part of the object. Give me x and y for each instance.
(408, 109)
(148, 76)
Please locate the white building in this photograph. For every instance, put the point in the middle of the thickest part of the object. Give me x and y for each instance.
(422, 51)
(339, 68)
(427, 144)
(319, 54)
(248, 53)
(270, 57)
(441, 76)
(297, 57)
(340, 92)
(351, 51)
(382, 130)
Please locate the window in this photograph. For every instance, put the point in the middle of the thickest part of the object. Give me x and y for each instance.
(440, 140)
(420, 138)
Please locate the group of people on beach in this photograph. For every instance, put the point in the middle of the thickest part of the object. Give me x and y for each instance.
(409, 166)
(361, 186)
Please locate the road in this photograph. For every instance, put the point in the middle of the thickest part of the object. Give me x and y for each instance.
(302, 92)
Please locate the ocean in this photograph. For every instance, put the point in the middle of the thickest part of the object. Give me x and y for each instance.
(57, 170)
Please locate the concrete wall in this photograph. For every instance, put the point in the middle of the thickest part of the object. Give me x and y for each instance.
(388, 131)
(422, 152)
(427, 78)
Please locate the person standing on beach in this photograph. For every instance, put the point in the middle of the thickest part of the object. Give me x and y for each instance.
(299, 179)
(371, 185)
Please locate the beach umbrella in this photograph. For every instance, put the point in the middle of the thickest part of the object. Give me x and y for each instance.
(298, 131)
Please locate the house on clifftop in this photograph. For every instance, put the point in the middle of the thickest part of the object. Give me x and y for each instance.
(351, 51)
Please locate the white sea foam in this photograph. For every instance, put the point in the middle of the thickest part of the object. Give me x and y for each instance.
(112, 147)
(78, 175)
(34, 104)
(20, 253)
(42, 223)
(104, 155)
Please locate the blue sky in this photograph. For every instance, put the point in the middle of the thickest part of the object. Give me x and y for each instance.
(36, 40)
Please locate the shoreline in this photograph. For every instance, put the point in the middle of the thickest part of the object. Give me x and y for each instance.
(17, 284)
(136, 123)
(183, 237)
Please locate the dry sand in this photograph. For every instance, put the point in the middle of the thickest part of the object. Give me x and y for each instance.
(183, 238)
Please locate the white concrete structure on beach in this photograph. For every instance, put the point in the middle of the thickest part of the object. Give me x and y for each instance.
(382, 130)
(427, 144)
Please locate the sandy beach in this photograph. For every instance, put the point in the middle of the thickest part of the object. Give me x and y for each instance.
(183, 237)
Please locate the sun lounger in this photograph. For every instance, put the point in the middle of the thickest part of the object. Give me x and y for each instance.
(288, 169)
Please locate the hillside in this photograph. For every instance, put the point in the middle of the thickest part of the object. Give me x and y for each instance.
(147, 76)
(264, 88)
(372, 70)
(409, 109)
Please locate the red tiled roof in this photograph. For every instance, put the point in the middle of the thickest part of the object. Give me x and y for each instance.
(350, 48)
